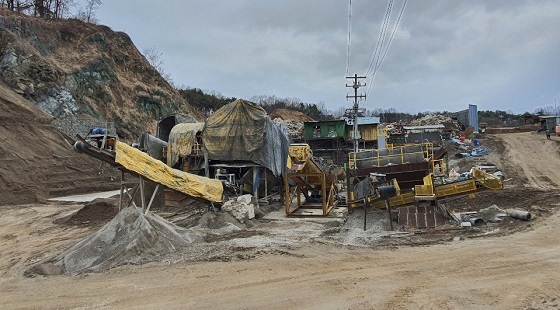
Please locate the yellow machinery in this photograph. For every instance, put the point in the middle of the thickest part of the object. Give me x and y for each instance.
(138, 163)
(314, 192)
(429, 191)
(397, 155)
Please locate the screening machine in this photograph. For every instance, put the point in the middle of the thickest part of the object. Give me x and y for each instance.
(309, 190)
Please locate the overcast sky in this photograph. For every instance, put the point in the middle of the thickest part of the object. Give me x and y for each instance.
(445, 55)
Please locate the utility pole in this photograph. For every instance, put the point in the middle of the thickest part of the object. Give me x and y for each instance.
(356, 109)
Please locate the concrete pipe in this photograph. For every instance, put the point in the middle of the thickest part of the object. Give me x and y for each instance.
(519, 214)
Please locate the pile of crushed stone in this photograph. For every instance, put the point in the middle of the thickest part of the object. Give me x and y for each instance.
(129, 238)
(437, 119)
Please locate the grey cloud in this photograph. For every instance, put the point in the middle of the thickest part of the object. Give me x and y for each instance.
(498, 54)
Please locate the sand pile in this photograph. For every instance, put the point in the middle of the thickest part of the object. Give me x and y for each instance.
(219, 223)
(286, 114)
(129, 238)
(98, 211)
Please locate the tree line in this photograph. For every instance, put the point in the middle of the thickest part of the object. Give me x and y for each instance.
(209, 101)
(54, 8)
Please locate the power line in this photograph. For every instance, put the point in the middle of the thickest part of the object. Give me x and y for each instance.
(378, 65)
(392, 35)
(380, 39)
(382, 45)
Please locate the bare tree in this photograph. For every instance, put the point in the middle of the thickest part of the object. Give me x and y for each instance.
(87, 13)
(22, 6)
(61, 7)
(40, 8)
(155, 58)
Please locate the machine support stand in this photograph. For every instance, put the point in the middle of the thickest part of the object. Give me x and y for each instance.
(388, 204)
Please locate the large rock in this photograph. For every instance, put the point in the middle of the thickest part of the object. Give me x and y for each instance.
(250, 200)
(240, 210)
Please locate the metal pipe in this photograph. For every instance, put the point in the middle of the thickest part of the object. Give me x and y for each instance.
(476, 221)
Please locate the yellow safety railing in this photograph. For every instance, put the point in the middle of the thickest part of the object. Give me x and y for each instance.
(439, 167)
(394, 152)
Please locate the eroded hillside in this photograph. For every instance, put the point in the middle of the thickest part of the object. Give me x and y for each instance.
(69, 68)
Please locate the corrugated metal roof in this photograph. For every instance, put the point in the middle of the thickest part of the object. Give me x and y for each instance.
(438, 126)
(368, 120)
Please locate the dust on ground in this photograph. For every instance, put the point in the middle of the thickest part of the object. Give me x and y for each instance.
(323, 263)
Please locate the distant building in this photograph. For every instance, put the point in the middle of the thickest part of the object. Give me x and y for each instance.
(332, 140)
(469, 117)
(549, 122)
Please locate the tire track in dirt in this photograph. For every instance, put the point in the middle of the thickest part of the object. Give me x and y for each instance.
(533, 157)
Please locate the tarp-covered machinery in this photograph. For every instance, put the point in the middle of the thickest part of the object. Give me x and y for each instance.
(184, 147)
(242, 131)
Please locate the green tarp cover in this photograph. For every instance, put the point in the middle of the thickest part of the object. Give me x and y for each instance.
(241, 131)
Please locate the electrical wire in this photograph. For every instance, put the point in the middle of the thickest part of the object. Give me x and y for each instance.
(380, 39)
(382, 58)
(392, 35)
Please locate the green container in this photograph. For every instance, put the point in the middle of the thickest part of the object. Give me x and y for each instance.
(324, 129)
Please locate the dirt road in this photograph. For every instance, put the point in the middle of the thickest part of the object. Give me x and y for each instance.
(530, 156)
(516, 271)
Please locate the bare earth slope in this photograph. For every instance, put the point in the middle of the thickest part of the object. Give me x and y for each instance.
(531, 159)
(35, 160)
(516, 271)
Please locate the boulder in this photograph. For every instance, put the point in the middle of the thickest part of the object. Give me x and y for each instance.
(250, 200)
(240, 210)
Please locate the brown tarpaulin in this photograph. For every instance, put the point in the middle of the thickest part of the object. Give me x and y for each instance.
(242, 131)
(181, 140)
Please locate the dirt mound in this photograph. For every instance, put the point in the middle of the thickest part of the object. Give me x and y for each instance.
(130, 238)
(100, 210)
(501, 130)
(292, 115)
(36, 162)
(219, 222)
